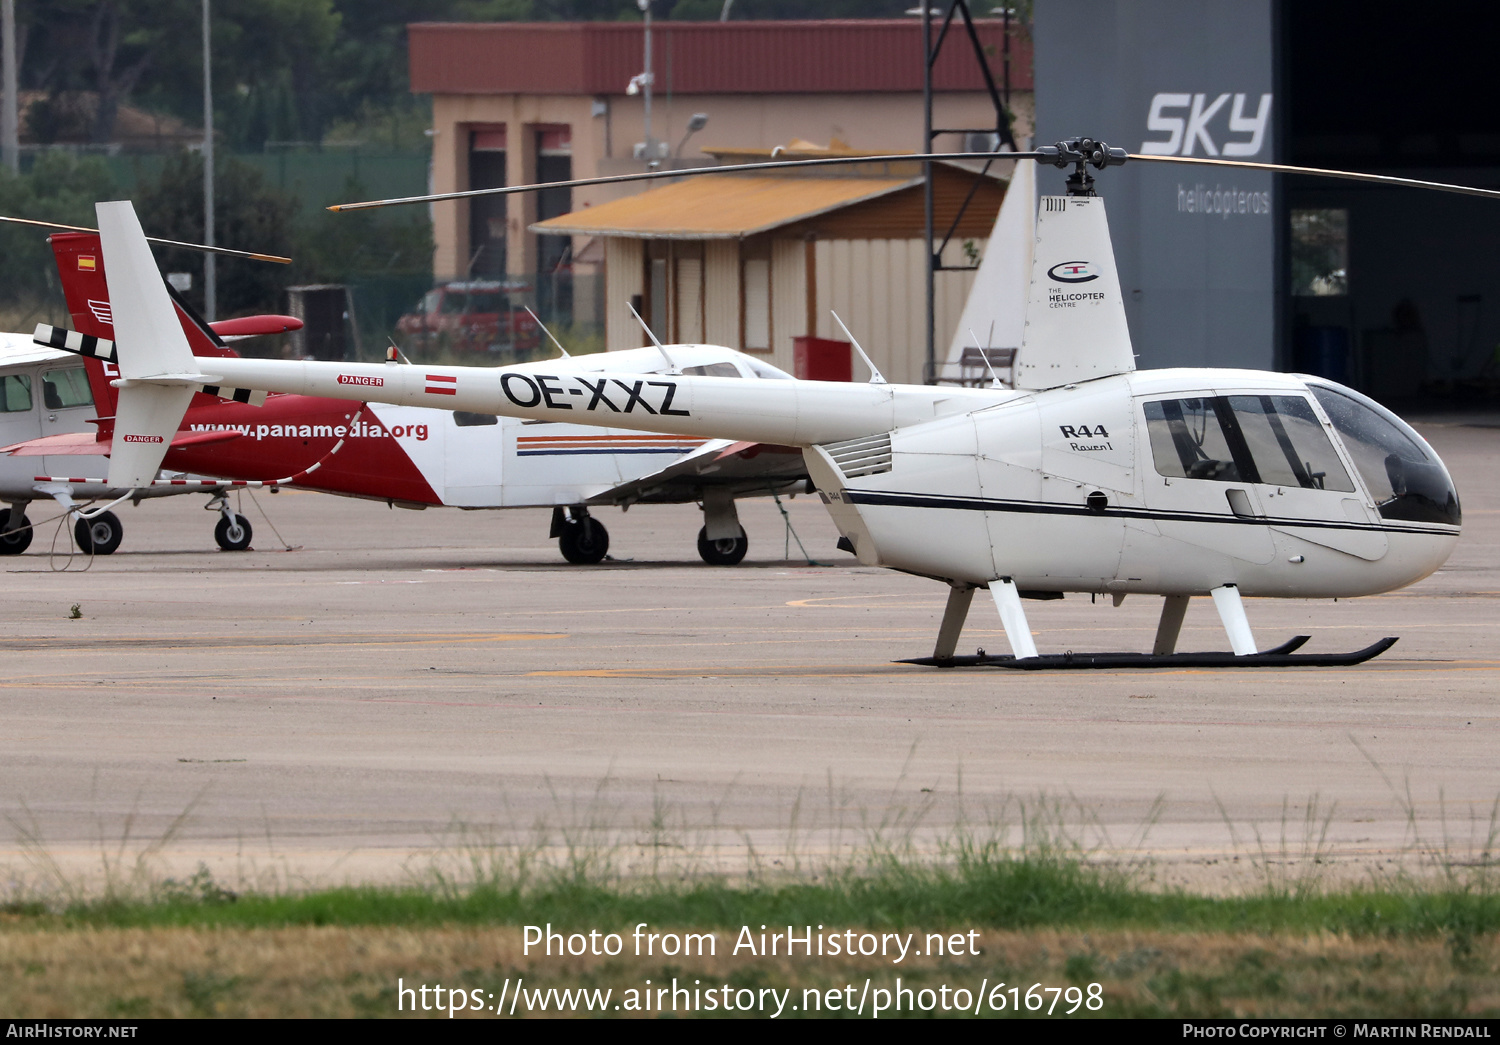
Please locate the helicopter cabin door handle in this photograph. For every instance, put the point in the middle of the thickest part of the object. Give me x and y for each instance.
(1239, 503)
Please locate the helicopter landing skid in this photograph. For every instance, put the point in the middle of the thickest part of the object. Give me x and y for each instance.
(1283, 656)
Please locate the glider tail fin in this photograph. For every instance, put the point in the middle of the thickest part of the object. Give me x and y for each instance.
(159, 374)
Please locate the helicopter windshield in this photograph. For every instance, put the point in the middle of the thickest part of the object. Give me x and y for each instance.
(1404, 476)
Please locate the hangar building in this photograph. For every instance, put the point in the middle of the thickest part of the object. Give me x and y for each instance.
(1392, 290)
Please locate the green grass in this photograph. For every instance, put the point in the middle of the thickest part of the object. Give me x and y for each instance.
(988, 888)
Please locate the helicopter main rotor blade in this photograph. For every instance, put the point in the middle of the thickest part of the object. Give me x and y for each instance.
(1379, 179)
(203, 248)
(735, 168)
(1050, 155)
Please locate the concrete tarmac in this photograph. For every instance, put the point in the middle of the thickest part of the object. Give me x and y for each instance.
(405, 683)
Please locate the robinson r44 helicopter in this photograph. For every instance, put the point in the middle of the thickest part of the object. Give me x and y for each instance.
(1089, 476)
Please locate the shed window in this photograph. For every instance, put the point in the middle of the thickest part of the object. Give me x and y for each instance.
(757, 304)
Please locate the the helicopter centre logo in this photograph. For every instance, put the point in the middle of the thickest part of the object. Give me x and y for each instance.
(1072, 272)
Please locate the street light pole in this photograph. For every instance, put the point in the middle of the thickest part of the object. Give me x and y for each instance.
(10, 149)
(645, 6)
(210, 289)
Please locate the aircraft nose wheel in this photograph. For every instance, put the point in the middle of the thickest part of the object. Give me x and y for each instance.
(18, 540)
(583, 542)
(233, 533)
(103, 531)
(726, 551)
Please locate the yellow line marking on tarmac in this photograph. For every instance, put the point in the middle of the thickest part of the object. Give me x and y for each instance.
(831, 601)
(154, 643)
(780, 671)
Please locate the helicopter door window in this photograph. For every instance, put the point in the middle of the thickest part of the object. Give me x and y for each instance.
(1188, 441)
(66, 388)
(15, 393)
(1406, 479)
(1288, 444)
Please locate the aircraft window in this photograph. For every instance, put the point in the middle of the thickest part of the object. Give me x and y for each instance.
(766, 370)
(1288, 444)
(1407, 480)
(469, 419)
(1188, 440)
(713, 370)
(65, 388)
(15, 393)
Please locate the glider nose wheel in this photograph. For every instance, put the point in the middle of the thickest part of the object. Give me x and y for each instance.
(582, 539)
(100, 535)
(726, 551)
(233, 533)
(17, 540)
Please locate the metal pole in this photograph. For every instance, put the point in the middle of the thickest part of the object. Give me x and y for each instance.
(929, 373)
(10, 147)
(210, 289)
(646, 6)
(1006, 47)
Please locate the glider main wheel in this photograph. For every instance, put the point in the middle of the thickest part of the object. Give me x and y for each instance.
(583, 542)
(103, 532)
(233, 535)
(726, 551)
(18, 540)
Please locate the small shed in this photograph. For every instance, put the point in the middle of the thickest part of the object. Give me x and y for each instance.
(753, 260)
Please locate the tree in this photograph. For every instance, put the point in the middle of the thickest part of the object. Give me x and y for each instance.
(59, 187)
(249, 214)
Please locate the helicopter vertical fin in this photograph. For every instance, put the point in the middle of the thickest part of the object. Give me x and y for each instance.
(1075, 316)
(145, 321)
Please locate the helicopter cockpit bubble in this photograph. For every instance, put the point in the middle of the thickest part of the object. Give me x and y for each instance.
(1404, 475)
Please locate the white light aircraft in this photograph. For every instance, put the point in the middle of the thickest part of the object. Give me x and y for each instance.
(411, 457)
(47, 398)
(1087, 477)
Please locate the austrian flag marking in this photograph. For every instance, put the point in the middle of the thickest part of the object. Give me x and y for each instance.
(435, 383)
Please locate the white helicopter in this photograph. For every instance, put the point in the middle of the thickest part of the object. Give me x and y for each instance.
(1087, 477)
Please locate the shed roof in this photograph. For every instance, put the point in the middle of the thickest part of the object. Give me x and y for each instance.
(726, 207)
(866, 201)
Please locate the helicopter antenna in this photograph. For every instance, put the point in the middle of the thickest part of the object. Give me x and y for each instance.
(876, 377)
(159, 242)
(984, 355)
(394, 353)
(644, 326)
(533, 315)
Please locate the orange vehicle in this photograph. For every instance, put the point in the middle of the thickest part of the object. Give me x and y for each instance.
(475, 316)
